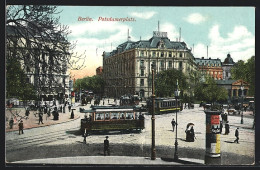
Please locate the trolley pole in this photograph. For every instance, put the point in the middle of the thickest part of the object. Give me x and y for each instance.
(153, 155)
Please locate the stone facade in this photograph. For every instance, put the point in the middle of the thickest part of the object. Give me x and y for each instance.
(210, 67)
(127, 70)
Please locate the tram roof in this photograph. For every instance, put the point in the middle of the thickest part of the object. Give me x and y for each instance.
(113, 110)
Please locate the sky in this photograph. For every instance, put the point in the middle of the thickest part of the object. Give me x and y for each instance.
(223, 29)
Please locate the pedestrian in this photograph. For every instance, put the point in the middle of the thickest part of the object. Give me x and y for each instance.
(106, 146)
(237, 135)
(40, 118)
(45, 109)
(185, 105)
(11, 123)
(226, 128)
(221, 126)
(192, 134)
(27, 112)
(69, 107)
(173, 124)
(85, 136)
(20, 127)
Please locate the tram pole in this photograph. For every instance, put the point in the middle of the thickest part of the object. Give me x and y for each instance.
(153, 154)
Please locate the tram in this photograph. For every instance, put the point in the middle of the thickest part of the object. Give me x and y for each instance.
(164, 105)
(110, 119)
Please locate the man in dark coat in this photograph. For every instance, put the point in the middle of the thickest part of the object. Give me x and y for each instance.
(40, 118)
(237, 135)
(106, 146)
(20, 127)
(173, 124)
(226, 128)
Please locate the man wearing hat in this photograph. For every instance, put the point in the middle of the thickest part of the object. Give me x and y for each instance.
(20, 127)
(106, 146)
(237, 135)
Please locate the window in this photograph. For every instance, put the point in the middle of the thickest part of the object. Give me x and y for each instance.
(142, 82)
(180, 65)
(142, 53)
(170, 64)
(142, 63)
(170, 54)
(142, 72)
(162, 54)
(180, 54)
(162, 63)
(154, 54)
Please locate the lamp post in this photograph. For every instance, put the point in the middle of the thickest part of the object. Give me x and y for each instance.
(153, 151)
(242, 95)
(176, 94)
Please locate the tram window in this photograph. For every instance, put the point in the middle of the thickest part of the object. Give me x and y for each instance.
(129, 115)
(122, 116)
(107, 116)
(99, 116)
(115, 115)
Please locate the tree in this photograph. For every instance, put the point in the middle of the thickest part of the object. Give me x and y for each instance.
(16, 82)
(210, 92)
(165, 82)
(95, 83)
(39, 42)
(245, 71)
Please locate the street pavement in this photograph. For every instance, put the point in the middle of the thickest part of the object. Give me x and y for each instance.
(136, 146)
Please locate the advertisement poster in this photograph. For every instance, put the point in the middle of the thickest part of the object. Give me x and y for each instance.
(118, 58)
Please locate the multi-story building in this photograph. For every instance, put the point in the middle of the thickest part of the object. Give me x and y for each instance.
(210, 67)
(226, 66)
(49, 75)
(127, 69)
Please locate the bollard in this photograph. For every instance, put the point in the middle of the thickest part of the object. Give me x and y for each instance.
(212, 154)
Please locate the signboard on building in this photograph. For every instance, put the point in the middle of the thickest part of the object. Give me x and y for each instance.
(159, 34)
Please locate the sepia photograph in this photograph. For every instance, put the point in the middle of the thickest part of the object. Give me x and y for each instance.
(129, 85)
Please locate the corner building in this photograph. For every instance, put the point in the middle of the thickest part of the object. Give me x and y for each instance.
(127, 69)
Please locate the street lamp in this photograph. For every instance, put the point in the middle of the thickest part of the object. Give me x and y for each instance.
(153, 151)
(242, 95)
(176, 94)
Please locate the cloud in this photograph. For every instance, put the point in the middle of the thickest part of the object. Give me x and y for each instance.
(195, 18)
(88, 42)
(96, 27)
(143, 15)
(240, 43)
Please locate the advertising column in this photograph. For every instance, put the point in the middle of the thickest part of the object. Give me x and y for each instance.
(212, 155)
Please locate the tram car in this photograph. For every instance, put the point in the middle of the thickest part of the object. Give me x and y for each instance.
(164, 105)
(111, 119)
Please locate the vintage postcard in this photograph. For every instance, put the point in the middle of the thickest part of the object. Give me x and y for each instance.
(130, 85)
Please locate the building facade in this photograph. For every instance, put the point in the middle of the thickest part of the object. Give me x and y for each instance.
(48, 74)
(234, 88)
(211, 67)
(127, 69)
(226, 66)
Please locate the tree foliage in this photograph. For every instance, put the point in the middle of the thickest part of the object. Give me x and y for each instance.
(210, 92)
(165, 82)
(16, 85)
(95, 83)
(245, 71)
(39, 42)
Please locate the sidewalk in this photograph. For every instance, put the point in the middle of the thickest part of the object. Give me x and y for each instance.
(110, 160)
(32, 120)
